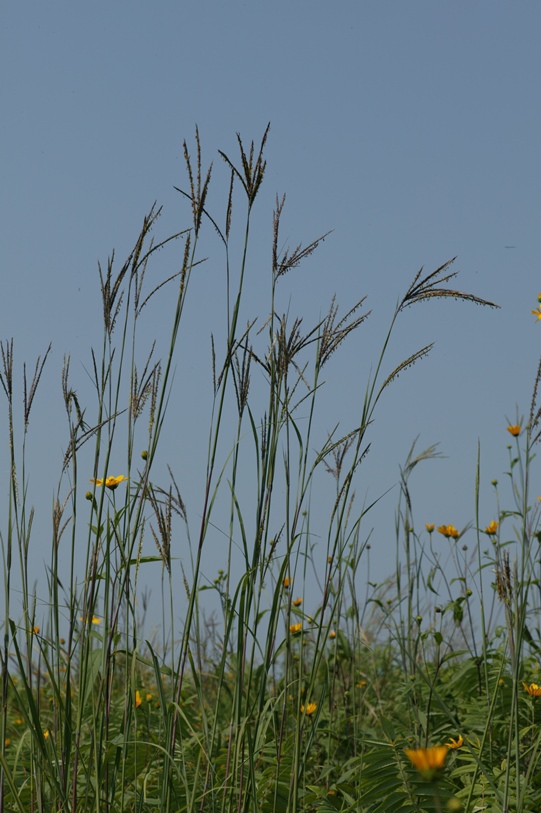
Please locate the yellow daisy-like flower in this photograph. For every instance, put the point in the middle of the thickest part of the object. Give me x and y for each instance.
(295, 628)
(138, 699)
(93, 620)
(491, 528)
(430, 527)
(454, 744)
(297, 602)
(449, 531)
(309, 709)
(514, 430)
(427, 760)
(287, 582)
(332, 634)
(537, 312)
(533, 689)
(110, 482)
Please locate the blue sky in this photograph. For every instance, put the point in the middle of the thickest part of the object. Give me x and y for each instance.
(411, 129)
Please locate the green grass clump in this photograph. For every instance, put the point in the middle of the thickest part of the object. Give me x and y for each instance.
(417, 694)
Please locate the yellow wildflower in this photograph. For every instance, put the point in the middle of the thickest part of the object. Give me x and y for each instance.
(7, 742)
(110, 482)
(309, 709)
(46, 734)
(35, 630)
(287, 582)
(537, 312)
(514, 430)
(93, 620)
(295, 628)
(427, 760)
(429, 527)
(297, 602)
(448, 530)
(533, 689)
(138, 699)
(454, 744)
(332, 634)
(148, 697)
(491, 528)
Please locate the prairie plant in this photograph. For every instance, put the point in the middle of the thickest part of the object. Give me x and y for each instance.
(296, 696)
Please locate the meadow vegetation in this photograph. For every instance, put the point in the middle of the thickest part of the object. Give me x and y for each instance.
(417, 694)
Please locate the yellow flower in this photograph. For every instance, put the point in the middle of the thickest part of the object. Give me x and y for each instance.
(138, 699)
(454, 744)
(287, 582)
(537, 312)
(361, 684)
(35, 630)
(332, 634)
(297, 602)
(491, 528)
(514, 430)
(448, 530)
(429, 527)
(295, 628)
(427, 760)
(533, 689)
(46, 734)
(93, 620)
(148, 697)
(309, 709)
(329, 559)
(110, 482)
(7, 742)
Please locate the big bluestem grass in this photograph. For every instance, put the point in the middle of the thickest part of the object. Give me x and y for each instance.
(282, 700)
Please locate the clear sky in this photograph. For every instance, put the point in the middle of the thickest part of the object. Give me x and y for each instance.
(411, 129)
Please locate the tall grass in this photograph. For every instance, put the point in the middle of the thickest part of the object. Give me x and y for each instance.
(273, 705)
